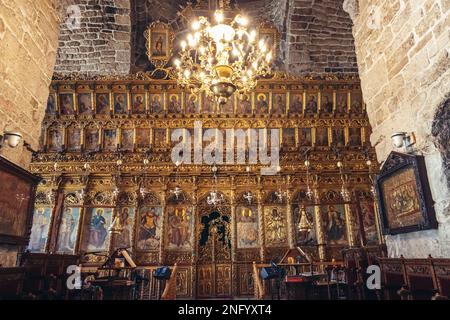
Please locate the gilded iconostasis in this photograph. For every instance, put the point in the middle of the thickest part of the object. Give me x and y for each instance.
(106, 155)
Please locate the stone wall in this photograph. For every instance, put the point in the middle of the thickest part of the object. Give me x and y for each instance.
(403, 50)
(95, 38)
(319, 38)
(28, 44)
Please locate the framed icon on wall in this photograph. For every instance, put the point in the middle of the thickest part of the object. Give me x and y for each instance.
(404, 195)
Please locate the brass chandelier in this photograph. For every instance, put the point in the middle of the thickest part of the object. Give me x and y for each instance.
(223, 58)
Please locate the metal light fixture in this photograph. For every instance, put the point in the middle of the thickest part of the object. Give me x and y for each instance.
(249, 197)
(116, 226)
(280, 195)
(11, 139)
(304, 224)
(222, 58)
(215, 198)
(177, 192)
(309, 192)
(344, 192)
(403, 140)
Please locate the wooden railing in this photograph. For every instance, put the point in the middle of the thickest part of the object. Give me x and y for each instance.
(415, 279)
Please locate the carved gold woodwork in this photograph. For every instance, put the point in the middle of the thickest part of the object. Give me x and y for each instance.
(215, 269)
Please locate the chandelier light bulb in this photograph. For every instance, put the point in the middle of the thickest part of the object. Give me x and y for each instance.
(196, 25)
(220, 59)
(219, 16)
(183, 45)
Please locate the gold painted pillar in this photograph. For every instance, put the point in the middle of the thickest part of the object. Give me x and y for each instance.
(194, 242)
(163, 226)
(377, 214)
(321, 241)
(349, 214)
(261, 225)
(233, 227)
(290, 220)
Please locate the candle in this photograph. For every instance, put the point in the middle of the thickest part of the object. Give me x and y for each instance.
(176, 212)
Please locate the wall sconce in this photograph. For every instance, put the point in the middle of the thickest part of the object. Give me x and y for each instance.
(403, 140)
(11, 139)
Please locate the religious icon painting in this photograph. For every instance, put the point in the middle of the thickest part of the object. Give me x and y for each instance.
(139, 103)
(275, 226)
(247, 227)
(84, 104)
(55, 139)
(296, 103)
(262, 103)
(245, 105)
(322, 137)
(305, 137)
(334, 225)
(156, 103)
(326, 106)
(404, 195)
(96, 235)
(39, 229)
(149, 228)
(66, 104)
(126, 218)
(142, 138)
(174, 103)
(91, 139)
(102, 102)
(368, 218)
(269, 34)
(120, 103)
(209, 105)
(279, 103)
(228, 107)
(192, 103)
(304, 219)
(51, 105)
(180, 228)
(289, 137)
(341, 102)
(127, 141)
(356, 105)
(338, 137)
(73, 139)
(311, 106)
(68, 230)
(354, 137)
(160, 38)
(109, 139)
(160, 136)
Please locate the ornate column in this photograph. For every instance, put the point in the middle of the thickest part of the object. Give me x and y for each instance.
(262, 244)
(56, 189)
(233, 226)
(321, 241)
(163, 226)
(194, 221)
(349, 214)
(376, 210)
(233, 240)
(290, 220)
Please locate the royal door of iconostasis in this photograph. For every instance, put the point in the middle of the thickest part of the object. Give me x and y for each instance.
(214, 263)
